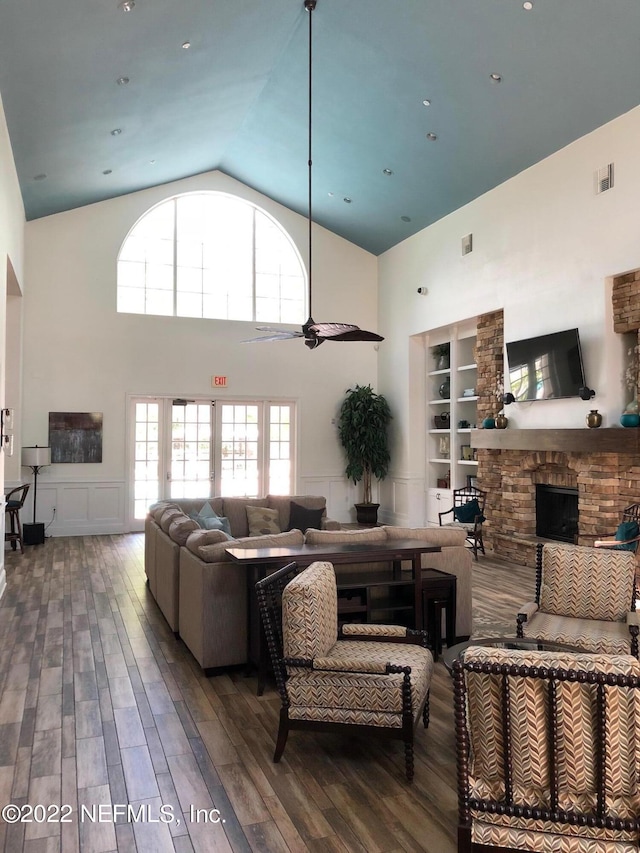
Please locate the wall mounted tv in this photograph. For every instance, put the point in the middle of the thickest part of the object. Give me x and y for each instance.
(547, 367)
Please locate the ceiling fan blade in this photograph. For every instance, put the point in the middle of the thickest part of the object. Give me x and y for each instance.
(344, 332)
(276, 336)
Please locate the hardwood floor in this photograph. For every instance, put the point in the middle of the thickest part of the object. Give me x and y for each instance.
(101, 706)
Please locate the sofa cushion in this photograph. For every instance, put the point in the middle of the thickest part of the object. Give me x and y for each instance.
(209, 545)
(217, 522)
(288, 539)
(302, 517)
(283, 504)
(235, 509)
(181, 527)
(170, 515)
(442, 536)
(158, 510)
(262, 520)
(339, 537)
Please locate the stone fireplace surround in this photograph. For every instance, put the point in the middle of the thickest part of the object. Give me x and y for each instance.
(606, 481)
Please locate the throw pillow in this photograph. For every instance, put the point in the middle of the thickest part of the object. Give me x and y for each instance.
(218, 522)
(466, 513)
(302, 518)
(263, 520)
(627, 530)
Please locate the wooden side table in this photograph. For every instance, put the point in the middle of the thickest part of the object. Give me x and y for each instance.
(438, 595)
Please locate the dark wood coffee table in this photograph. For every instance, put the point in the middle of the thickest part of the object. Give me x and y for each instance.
(260, 561)
(522, 643)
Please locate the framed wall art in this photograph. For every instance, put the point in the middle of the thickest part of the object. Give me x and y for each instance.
(75, 437)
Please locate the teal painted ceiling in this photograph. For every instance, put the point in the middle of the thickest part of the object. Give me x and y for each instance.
(236, 99)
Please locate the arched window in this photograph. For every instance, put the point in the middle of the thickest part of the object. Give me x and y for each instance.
(211, 255)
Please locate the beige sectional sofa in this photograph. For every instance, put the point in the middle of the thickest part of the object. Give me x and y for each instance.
(203, 594)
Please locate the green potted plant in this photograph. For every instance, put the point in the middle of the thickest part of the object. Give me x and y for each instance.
(362, 428)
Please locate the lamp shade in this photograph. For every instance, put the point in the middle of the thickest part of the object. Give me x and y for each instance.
(34, 457)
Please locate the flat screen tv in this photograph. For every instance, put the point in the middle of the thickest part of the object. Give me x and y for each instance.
(548, 367)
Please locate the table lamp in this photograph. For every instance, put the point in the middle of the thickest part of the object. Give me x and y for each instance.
(35, 458)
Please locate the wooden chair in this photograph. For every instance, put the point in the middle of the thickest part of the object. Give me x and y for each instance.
(377, 685)
(627, 536)
(547, 751)
(13, 528)
(467, 513)
(584, 597)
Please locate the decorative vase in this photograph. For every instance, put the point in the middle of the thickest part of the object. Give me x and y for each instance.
(501, 421)
(594, 419)
(445, 389)
(633, 408)
(630, 419)
(443, 362)
(489, 423)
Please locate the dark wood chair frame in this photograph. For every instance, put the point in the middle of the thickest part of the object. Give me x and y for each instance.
(508, 806)
(460, 498)
(14, 533)
(521, 618)
(269, 593)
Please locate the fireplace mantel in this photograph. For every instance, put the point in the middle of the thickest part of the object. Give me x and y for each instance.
(607, 440)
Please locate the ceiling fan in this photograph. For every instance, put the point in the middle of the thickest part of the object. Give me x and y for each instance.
(315, 333)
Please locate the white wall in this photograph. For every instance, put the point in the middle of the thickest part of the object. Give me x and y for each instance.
(80, 355)
(544, 250)
(11, 257)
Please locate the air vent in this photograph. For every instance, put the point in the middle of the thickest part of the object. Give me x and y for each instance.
(467, 244)
(604, 179)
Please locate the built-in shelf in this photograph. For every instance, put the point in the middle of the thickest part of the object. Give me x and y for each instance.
(469, 399)
(604, 440)
(441, 431)
(468, 462)
(441, 459)
(468, 367)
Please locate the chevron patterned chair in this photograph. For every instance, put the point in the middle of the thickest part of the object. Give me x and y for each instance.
(585, 597)
(368, 678)
(548, 752)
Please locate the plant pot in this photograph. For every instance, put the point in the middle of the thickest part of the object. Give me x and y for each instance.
(443, 362)
(367, 513)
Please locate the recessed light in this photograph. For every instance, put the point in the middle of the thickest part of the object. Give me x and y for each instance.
(528, 5)
(431, 137)
(116, 131)
(186, 45)
(406, 218)
(346, 200)
(122, 81)
(107, 171)
(39, 177)
(152, 162)
(387, 171)
(426, 102)
(495, 78)
(126, 5)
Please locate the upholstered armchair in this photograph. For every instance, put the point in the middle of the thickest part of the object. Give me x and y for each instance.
(585, 597)
(547, 750)
(367, 678)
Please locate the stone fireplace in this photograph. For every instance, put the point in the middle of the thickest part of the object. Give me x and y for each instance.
(606, 481)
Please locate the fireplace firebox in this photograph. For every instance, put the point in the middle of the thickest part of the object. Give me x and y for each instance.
(557, 513)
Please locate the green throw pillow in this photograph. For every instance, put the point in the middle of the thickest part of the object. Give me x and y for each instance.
(466, 513)
(627, 530)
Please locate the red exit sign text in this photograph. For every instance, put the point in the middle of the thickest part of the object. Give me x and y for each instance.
(218, 381)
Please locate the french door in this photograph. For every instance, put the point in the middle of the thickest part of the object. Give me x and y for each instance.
(201, 448)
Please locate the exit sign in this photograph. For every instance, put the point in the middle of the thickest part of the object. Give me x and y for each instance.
(218, 381)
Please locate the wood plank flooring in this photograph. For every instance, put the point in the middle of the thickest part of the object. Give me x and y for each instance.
(102, 708)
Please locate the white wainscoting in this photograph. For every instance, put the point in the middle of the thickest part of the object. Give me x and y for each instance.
(82, 507)
(402, 501)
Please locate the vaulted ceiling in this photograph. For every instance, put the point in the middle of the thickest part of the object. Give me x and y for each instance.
(101, 101)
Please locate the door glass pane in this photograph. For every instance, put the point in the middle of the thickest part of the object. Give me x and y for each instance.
(146, 474)
(280, 450)
(239, 470)
(191, 450)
